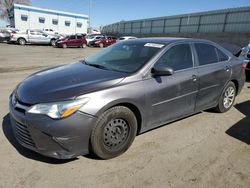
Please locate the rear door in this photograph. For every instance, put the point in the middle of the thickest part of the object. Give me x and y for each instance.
(174, 96)
(72, 41)
(214, 72)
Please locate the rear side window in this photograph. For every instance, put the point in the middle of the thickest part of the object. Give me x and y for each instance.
(79, 37)
(221, 55)
(178, 57)
(206, 53)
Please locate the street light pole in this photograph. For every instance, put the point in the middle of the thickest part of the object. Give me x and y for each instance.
(90, 5)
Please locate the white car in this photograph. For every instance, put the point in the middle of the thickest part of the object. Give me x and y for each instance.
(92, 38)
(126, 38)
(50, 31)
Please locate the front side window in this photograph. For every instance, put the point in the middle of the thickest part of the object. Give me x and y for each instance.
(207, 54)
(128, 58)
(178, 57)
(72, 37)
(221, 55)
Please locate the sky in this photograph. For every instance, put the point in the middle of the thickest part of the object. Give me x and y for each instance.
(105, 12)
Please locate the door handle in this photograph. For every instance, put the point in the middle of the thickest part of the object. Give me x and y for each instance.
(194, 78)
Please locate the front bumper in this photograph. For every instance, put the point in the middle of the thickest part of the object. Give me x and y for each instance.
(62, 139)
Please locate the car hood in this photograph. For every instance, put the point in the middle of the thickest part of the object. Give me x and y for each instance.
(65, 82)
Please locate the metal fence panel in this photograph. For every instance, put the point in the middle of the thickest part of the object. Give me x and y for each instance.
(227, 20)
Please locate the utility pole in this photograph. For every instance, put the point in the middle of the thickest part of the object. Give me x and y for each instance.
(90, 6)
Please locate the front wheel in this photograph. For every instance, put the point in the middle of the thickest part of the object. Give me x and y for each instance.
(114, 132)
(227, 98)
(53, 42)
(101, 45)
(84, 46)
(21, 41)
(64, 46)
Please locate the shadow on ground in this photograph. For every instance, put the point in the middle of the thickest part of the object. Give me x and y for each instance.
(7, 130)
(241, 130)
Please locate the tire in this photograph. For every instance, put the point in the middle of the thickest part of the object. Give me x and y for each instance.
(64, 46)
(227, 98)
(113, 132)
(22, 41)
(101, 45)
(53, 42)
(83, 46)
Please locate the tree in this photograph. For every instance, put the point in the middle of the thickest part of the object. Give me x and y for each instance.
(5, 6)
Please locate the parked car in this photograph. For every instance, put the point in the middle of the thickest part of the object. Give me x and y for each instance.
(72, 41)
(92, 37)
(126, 38)
(103, 41)
(33, 37)
(101, 103)
(245, 55)
(4, 35)
(50, 31)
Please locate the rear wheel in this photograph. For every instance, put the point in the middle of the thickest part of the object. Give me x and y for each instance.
(227, 98)
(101, 45)
(64, 46)
(84, 46)
(21, 41)
(53, 42)
(114, 132)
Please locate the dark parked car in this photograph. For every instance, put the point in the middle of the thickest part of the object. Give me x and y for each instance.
(245, 55)
(103, 41)
(72, 41)
(4, 36)
(101, 103)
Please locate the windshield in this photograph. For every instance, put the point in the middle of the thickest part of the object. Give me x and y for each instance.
(124, 57)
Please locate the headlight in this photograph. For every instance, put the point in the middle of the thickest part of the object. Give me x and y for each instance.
(58, 110)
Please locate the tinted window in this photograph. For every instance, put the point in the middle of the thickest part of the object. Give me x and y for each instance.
(72, 37)
(178, 57)
(79, 37)
(206, 54)
(221, 55)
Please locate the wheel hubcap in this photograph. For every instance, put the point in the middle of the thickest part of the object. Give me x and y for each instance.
(229, 97)
(115, 133)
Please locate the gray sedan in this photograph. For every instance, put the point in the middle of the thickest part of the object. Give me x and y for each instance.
(101, 103)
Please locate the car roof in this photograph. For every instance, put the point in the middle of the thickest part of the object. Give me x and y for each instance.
(167, 40)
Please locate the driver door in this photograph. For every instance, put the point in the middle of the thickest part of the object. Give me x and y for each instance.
(172, 97)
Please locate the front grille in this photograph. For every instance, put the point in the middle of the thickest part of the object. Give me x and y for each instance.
(23, 135)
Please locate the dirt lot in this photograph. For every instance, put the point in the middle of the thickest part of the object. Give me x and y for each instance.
(204, 150)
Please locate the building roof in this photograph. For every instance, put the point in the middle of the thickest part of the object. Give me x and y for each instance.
(48, 11)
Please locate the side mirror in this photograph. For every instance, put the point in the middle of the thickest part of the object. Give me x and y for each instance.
(161, 70)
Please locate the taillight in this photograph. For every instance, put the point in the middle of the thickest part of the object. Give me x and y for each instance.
(244, 65)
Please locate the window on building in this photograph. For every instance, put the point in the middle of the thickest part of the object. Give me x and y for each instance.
(67, 23)
(24, 17)
(41, 20)
(55, 21)
(79, 24)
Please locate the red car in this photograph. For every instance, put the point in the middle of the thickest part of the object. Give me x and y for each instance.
(103, 42)
(72, 41)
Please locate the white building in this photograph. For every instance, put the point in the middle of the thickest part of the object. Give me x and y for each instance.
(25, 17)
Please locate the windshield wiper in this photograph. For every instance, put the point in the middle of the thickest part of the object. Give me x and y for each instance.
(96, 65)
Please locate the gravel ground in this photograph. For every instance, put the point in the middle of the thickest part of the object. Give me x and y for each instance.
(204, 150)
